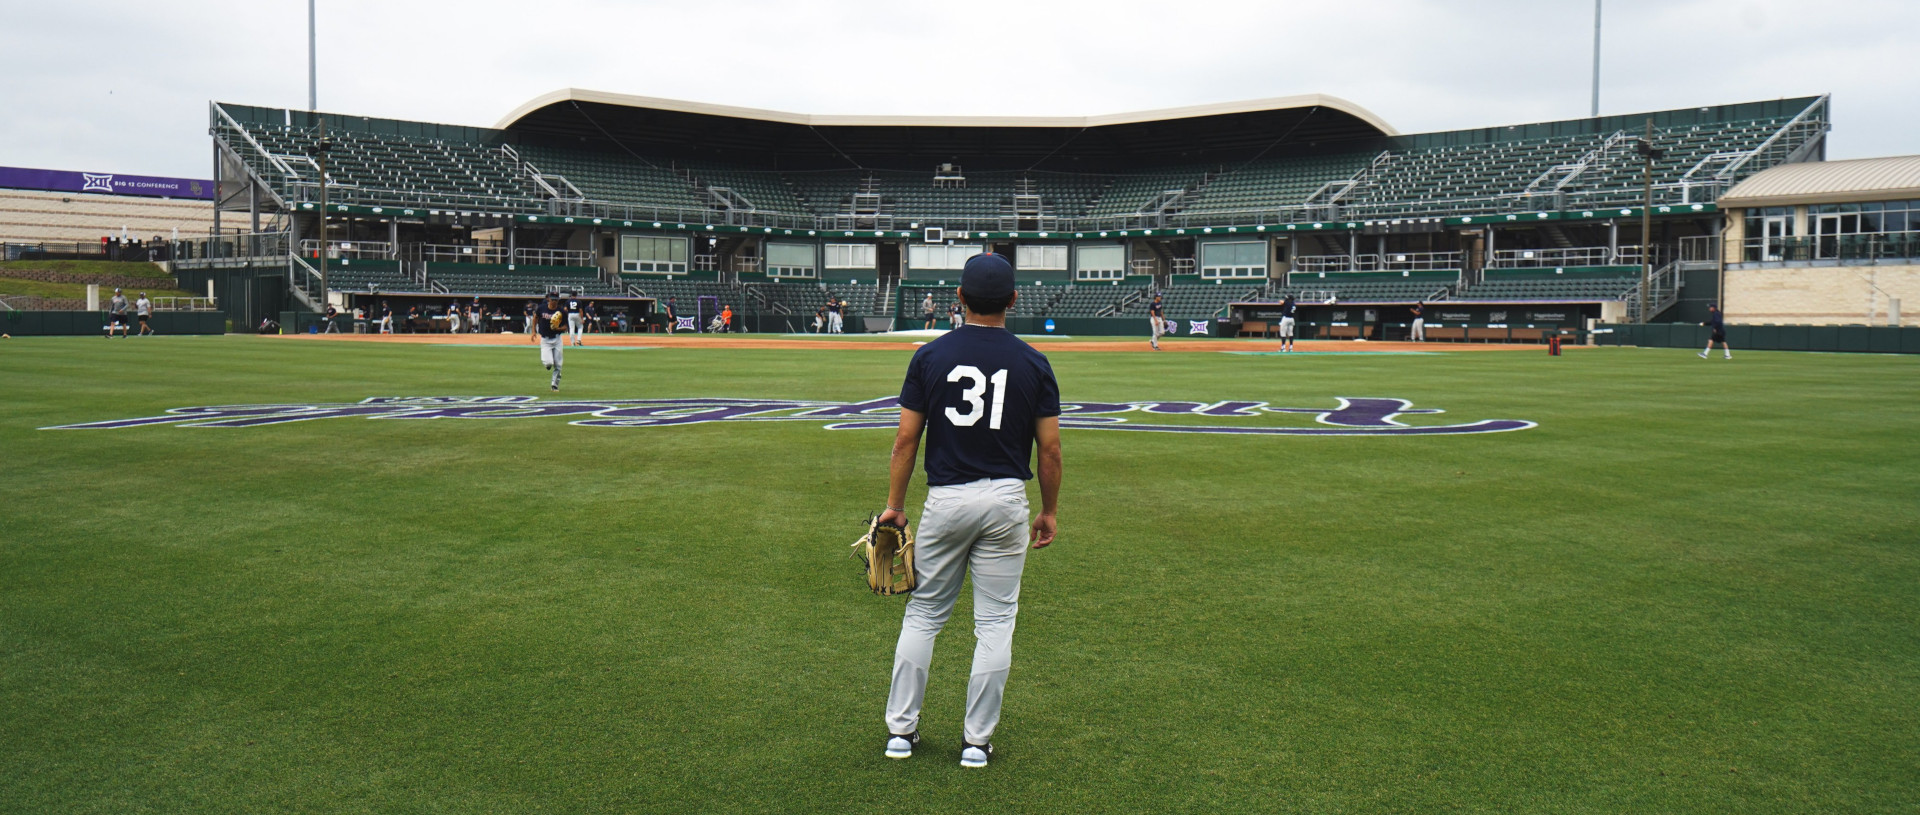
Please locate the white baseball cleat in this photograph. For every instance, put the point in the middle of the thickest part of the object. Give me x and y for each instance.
(975, 755)
(902, 746)
(1703, 355)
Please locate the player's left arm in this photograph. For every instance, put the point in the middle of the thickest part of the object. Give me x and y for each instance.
(906, 448)
(1046, 432)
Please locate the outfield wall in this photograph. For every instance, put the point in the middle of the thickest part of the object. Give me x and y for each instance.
(1829, 295)
(1873, 339)
(93, 323)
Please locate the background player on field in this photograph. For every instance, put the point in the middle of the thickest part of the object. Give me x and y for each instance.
(143, 309)
(576, 321)
(1418, 332)
(548, 322)
(386, 317)
(1716, 321)
(1287, 308)
(1157, 314)
(983, 399)
(117, 314)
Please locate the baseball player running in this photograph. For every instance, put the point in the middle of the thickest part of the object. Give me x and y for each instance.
(575, 321)
(983, 399)
(1287, 307)
(547, 321)
(1157, 314)
(1717, 322)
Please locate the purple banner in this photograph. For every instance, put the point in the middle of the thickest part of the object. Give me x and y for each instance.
(21, 178)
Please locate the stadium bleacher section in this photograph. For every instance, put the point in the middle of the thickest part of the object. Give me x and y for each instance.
(544, 187)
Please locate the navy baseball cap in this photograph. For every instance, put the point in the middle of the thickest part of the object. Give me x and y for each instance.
(987, 275)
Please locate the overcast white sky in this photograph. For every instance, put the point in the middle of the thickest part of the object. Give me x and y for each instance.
(122, 85)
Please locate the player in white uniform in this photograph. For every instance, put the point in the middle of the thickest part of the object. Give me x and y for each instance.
(549, 328)
(1157, 314)
(984, 399)
(575, 321)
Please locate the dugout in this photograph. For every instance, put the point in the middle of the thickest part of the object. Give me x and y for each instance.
(1478, 321)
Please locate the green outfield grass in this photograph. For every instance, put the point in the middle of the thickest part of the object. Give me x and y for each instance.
(1694, 587)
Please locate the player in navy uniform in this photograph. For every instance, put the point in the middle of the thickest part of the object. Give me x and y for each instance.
(983, 399)
(574, 321)
(1157, 314)
(1287, 308)
(1418, 332)
(956, 314)
(1717, 322)
(547, 321)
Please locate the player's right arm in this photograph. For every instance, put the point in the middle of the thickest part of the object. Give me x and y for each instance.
(1046, 432)
(906, 448)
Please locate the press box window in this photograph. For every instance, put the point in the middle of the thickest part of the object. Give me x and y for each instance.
(791, 260)
(647, 255)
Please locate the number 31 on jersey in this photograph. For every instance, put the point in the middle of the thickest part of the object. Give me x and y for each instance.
(975, 405)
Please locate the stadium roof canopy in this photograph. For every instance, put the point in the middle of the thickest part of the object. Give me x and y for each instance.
(806, 141)
(1829, 182)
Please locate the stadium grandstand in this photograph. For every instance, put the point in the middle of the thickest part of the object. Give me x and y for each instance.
(637, 199)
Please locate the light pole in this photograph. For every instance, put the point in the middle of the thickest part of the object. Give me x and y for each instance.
(1648, 154)
(313, 69)
(320, 153)
(1596, 59)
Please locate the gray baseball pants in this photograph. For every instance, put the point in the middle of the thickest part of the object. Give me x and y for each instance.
(552, 353)
(978, 527)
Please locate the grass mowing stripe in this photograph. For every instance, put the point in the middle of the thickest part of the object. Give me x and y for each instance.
(1688, 589)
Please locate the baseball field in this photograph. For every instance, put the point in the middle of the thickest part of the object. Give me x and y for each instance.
(1619, 580)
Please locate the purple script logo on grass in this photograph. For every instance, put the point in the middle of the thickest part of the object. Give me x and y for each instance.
(1352, 417)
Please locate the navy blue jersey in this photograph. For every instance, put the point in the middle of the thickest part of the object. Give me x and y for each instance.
(1286, 309)
(573, 307)
(1715, 321)
(1157, 310)
(543, 322)
(1418, 312)
(981, 389)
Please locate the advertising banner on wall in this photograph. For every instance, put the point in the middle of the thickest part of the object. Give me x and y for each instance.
(22, 178)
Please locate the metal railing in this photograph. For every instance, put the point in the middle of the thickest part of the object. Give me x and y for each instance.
(1576, 256)
(1850, 249)
(553, 257)
(351, 250)
(1663, 291)
(183, 304)
(1389, 262)
(449, 253)
(244, 247)
(1700, 249)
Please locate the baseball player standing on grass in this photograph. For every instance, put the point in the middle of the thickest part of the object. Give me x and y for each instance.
(1717, 322)
(983, 399)
(1287, 307)
(1157, 314)
(548, 322)
(575, 321)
